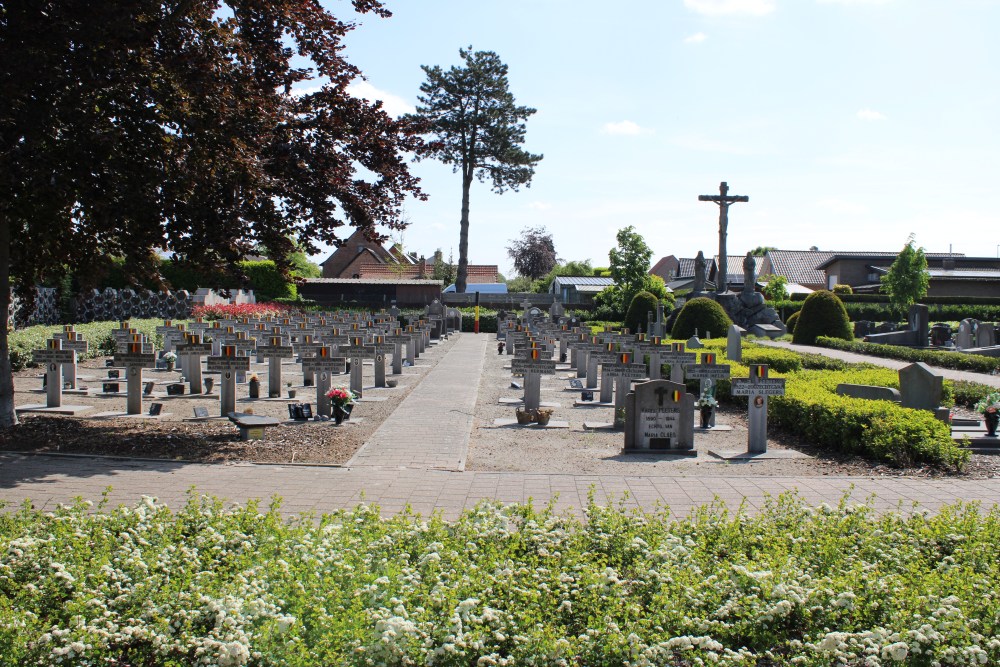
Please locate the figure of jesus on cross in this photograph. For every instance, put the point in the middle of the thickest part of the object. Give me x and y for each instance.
(723, 199)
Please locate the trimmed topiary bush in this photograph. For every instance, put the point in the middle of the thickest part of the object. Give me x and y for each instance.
(792, 320)
(840, 288)
(702, 314)
(642, 303)
(822, 314)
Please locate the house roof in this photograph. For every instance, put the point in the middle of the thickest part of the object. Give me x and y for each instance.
(582, 280)
(734, 267)
(982, 275)
(686, 268)
(663, 267)
(372, 281)
(876, 256)
(799, 266)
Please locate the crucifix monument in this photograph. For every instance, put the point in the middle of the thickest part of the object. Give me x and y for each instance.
(724, 200)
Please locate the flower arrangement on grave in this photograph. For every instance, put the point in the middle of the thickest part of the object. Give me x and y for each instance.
(170, 357)
(989, 407)
(253, 378)
(706, 400)
(340, 397)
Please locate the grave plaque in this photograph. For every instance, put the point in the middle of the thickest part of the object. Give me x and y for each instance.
(356, 353)
(709, 372)
(109, 387)
(757, 388)
(274, 352)
(200, 412)
(134, 359)
(155, 409)
(532, 367)
(191, 349)
(659, 417)
(71, 340)
(324, 365)
(678, 359)
(623, 371)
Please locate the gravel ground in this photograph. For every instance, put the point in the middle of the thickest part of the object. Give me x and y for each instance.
(576, 451)
(175, 436)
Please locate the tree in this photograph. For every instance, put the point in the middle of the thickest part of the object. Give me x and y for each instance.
(534, 253)
(775, 288)
(762, 250)
(126, 127)
(443, 271)
(630, 262)
(479, 130)
(907, 280)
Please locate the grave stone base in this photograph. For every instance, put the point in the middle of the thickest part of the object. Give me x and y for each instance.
(520, 401)
(592, 404)
(371, 399)
(512, 423)
(71, 410)
(601, 426)
(718, 428)
(683, 453)
(743, 455)
(72, 392)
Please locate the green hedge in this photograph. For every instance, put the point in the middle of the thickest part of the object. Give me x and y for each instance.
(883, 311)
(956, 360)
(23, 341)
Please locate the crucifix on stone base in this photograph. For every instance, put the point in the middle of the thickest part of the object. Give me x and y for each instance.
(724, 200)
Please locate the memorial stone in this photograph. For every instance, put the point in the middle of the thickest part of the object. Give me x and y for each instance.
(532, 367)
(273, 352)
(228, 363)
(920, 387)
(734, 343)
(659, 418)
(134, 359)
(678, 359)
(757, 388)
(53, 357)
(191, 350)
(324, 365)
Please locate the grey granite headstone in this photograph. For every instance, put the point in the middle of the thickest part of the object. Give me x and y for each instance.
(659, 418)
(963, 339)
(734, 343)
(985, 335)
(869, 392)
(919, 321)
(920, 387)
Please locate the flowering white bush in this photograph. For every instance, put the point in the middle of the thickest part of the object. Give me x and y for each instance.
(211, 585)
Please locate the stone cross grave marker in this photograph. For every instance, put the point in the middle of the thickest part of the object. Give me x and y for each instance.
(757, 388)
(623, 371)
(53, 357)
(659, 418)
(604, 355)
(306, 347)
(709, 372)
(532, 365)
(324, 365)
(398, 340)
(724, 200)
(274, 351)
(72, 340)
(678, 359)
(135, 357)
(228, 363)
(356, 353)
(382, 349)
(191, 349)
(652, 347)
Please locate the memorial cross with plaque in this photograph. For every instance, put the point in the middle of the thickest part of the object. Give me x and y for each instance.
(653, 348)
(708, 372)
(398, 340)
(382, 348)
(306, 347)
(356, 353)
(532, 365)
(72, 340)
(53, 357)
(228, 363)
(678, 359)
(757, 388)
(624, 371)
(191, 349)
(274, 351)
(135, 357)
(604, 355)
(323, 365)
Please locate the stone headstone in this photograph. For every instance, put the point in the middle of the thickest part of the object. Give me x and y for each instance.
(863, 328)
(919, 321)
(940, 334)
(695, 343)
(734, 343)
(985, 335)
(920, 387)
(769, 330)
(963, 339)
(659, 418)
(757, 388)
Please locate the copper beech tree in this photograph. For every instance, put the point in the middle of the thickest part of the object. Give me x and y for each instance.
(471, 113)
(134, 126)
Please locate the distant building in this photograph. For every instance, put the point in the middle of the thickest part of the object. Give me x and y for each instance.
(482, 288)
(677, 273)
(578, 290)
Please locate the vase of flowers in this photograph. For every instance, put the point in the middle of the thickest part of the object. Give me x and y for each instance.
(706, 405)
(989, 407)
(343, 403)
(170, 358)
(291, 392)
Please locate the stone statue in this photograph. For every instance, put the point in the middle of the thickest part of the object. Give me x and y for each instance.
(699, 274)
(749, 274)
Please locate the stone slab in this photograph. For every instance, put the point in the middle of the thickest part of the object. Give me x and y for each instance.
(718, 428)
(112, 414)
(70, 410)
(659, 453)
(519, 401)
(600, 426)
(508, 423)
(76, 392)
(743, 455)
(371, 399)
(592, 404)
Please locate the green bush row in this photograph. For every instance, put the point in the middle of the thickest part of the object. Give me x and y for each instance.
(216, 584)
(883, 312)
(929, 300)
(23, 341)
(956, 360)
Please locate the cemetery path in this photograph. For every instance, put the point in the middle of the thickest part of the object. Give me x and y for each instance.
(430, 428)
(47, 480)
(852, 357)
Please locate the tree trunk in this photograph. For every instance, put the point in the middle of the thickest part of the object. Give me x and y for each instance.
(462, 279)
(8, 417)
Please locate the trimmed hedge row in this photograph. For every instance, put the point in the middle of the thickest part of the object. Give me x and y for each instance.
(883, 312)
(955, 360)
(23, 341)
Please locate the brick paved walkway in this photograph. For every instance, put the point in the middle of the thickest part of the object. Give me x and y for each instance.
(402, 465)
(430, 428)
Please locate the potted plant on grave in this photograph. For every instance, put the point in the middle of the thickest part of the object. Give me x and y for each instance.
(525, 416)
(170, 358)
(343, 403)
(989, 407)
(542, 416)
(706, 405)
(291, 392)
(254, 386)
(619, 418)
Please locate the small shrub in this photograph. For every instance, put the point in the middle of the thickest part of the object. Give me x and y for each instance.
(637, 316)
(701, 314)
(792, 320)
(822, 314)
(840, 288)
(956, 360)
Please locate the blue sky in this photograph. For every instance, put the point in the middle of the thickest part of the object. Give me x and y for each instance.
(849, 123)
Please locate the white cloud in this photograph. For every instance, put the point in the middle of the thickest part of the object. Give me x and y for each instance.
(540, 206)
(870, 114)
(696, 38)
(731, 7)
(624, 128)
(394, 105)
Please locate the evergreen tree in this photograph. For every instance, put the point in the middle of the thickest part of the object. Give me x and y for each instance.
(907, 280)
